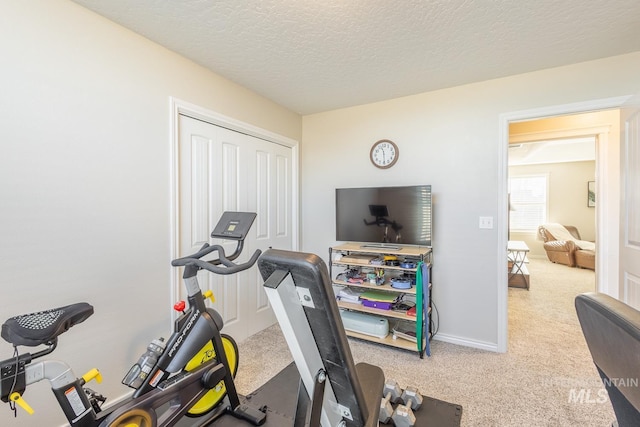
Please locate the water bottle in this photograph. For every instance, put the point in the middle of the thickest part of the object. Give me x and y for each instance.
(139, 372)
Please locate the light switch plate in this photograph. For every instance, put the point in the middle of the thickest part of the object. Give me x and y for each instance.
(486, 222)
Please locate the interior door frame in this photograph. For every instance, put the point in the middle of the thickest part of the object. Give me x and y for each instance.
(604, 269)
(629, 248)
(179, 107)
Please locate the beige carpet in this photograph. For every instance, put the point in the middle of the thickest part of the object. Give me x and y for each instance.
(546, 378)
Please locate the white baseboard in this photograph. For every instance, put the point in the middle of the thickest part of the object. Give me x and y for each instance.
(482, 345)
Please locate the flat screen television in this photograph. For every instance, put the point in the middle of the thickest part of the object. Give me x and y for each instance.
(384, 216)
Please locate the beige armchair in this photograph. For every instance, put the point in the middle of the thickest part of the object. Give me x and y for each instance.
(560, 251)
(567, 252)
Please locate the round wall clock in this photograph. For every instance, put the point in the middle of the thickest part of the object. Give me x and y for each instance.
(384, 154)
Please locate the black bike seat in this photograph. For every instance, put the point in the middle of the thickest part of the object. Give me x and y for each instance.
(42, 327)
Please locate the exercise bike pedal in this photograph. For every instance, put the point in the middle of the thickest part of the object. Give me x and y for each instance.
(255, 416)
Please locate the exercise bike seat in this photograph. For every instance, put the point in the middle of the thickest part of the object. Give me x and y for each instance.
(44, 326)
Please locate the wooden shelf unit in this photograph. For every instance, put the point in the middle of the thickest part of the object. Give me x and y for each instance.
(357, 255)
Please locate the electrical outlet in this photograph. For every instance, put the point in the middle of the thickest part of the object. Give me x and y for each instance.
(486, 222)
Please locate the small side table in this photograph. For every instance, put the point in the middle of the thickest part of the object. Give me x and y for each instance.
(517, 254)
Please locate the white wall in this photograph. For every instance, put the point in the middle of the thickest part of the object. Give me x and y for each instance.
(84, 180)
(567, 199)
(450, 139)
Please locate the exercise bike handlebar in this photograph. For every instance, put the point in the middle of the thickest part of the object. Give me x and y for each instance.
(214, 265)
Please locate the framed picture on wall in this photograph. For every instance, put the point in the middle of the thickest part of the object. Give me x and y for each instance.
(591, 194)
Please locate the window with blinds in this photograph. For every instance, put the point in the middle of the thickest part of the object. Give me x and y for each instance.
(527, 202)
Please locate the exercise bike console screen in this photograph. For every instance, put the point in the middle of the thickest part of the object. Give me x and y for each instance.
(233, 225)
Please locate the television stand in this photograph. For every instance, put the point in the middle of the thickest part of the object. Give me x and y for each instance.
(376, 322)
(381, 246)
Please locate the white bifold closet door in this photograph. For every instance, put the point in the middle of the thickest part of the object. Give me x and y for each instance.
(224, 170)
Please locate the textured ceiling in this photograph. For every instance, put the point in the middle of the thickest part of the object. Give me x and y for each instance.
(557, 151)
(312, 56)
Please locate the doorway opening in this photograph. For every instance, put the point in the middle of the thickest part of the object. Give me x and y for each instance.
(607, 136)
(548, 182)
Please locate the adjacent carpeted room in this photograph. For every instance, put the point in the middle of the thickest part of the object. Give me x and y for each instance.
(546, 378)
